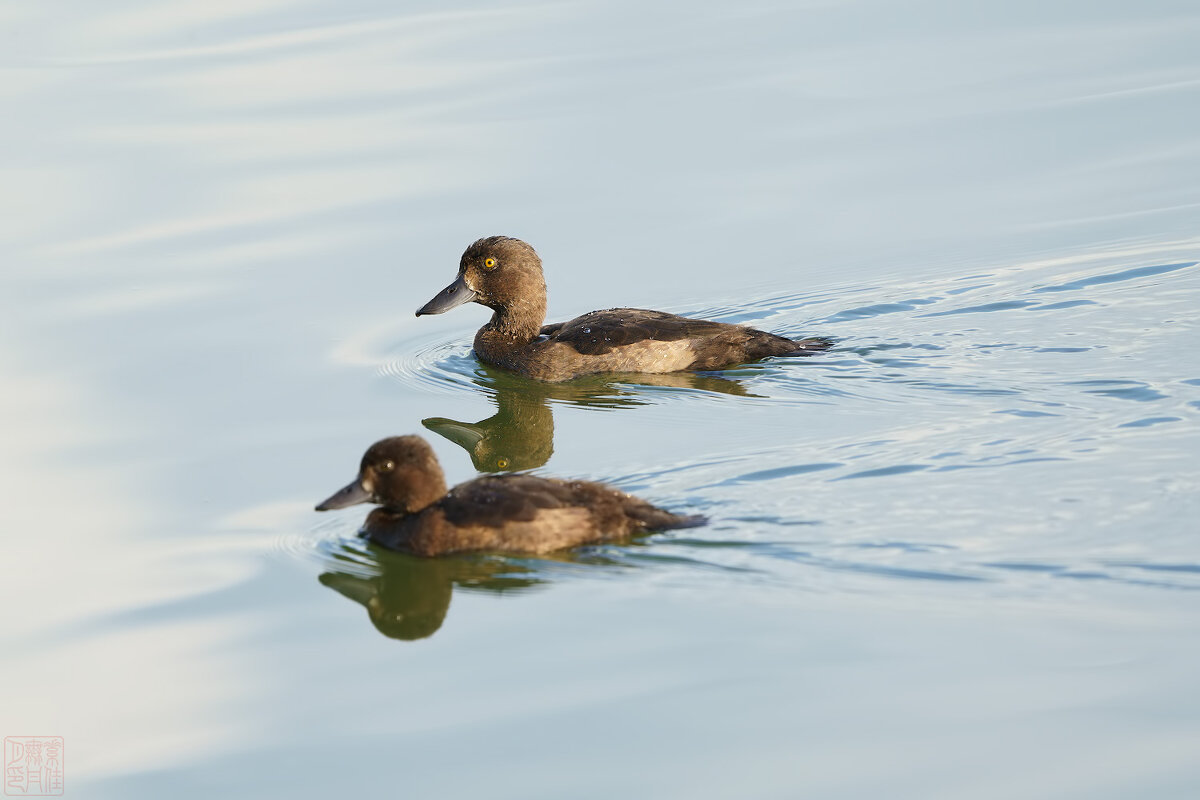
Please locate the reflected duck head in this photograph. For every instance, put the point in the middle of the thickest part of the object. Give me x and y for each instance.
(409, 597)
(519, 436)
(410, 608)
(500, 272)
(400, 473)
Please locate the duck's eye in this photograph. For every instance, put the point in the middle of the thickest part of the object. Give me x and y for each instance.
(502, 463)
(387, 466)
(489, 263)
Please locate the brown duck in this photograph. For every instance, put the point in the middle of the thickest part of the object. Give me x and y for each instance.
(506, 513)
(505, 274)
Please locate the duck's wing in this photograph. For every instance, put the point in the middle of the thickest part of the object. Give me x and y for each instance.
(601, 331)
(513, 513)
(499, 500)
(496, 501)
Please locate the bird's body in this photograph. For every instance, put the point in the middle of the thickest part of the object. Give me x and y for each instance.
(505, 274)
(515, 513)
(519, 514)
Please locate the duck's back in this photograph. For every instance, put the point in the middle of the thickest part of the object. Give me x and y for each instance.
(521, 514)
(640, 340)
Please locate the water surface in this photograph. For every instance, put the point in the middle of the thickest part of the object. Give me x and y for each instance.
(955, 556)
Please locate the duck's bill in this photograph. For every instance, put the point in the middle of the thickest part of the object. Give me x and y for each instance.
(360, 590)
(452, 296)
(463, 434)
(351, 494)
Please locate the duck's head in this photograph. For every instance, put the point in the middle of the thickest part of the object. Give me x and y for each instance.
(400, 473)
(500, 272)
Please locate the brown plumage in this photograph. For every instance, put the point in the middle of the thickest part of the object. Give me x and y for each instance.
(506, 513)
(505, 274)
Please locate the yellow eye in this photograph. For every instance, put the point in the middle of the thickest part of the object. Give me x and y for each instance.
(489, 263)
(502, 463)
(387, 466)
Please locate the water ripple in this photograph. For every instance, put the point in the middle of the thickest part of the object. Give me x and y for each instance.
(901, 398)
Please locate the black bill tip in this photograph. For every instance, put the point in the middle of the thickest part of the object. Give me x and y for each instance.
(453, 296)
(351, 494)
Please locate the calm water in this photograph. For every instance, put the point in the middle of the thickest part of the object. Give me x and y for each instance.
(955, 557)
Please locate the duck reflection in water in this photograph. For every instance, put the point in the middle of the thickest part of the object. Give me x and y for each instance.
(520, 435)
(407, 597)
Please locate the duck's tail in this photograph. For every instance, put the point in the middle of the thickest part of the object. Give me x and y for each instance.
(686, 521)
(653, 518)
(813, 344)
(765, 344)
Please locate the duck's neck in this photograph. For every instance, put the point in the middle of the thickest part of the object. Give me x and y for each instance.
(424, 486)
(514, 326)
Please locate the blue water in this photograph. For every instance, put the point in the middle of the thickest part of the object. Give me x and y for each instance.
(953, 557)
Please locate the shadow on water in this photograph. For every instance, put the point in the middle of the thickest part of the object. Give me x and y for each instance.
(520, 435)
(407, 597)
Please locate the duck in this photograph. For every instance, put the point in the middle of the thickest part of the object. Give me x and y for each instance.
(505, 274)
(513, 513)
